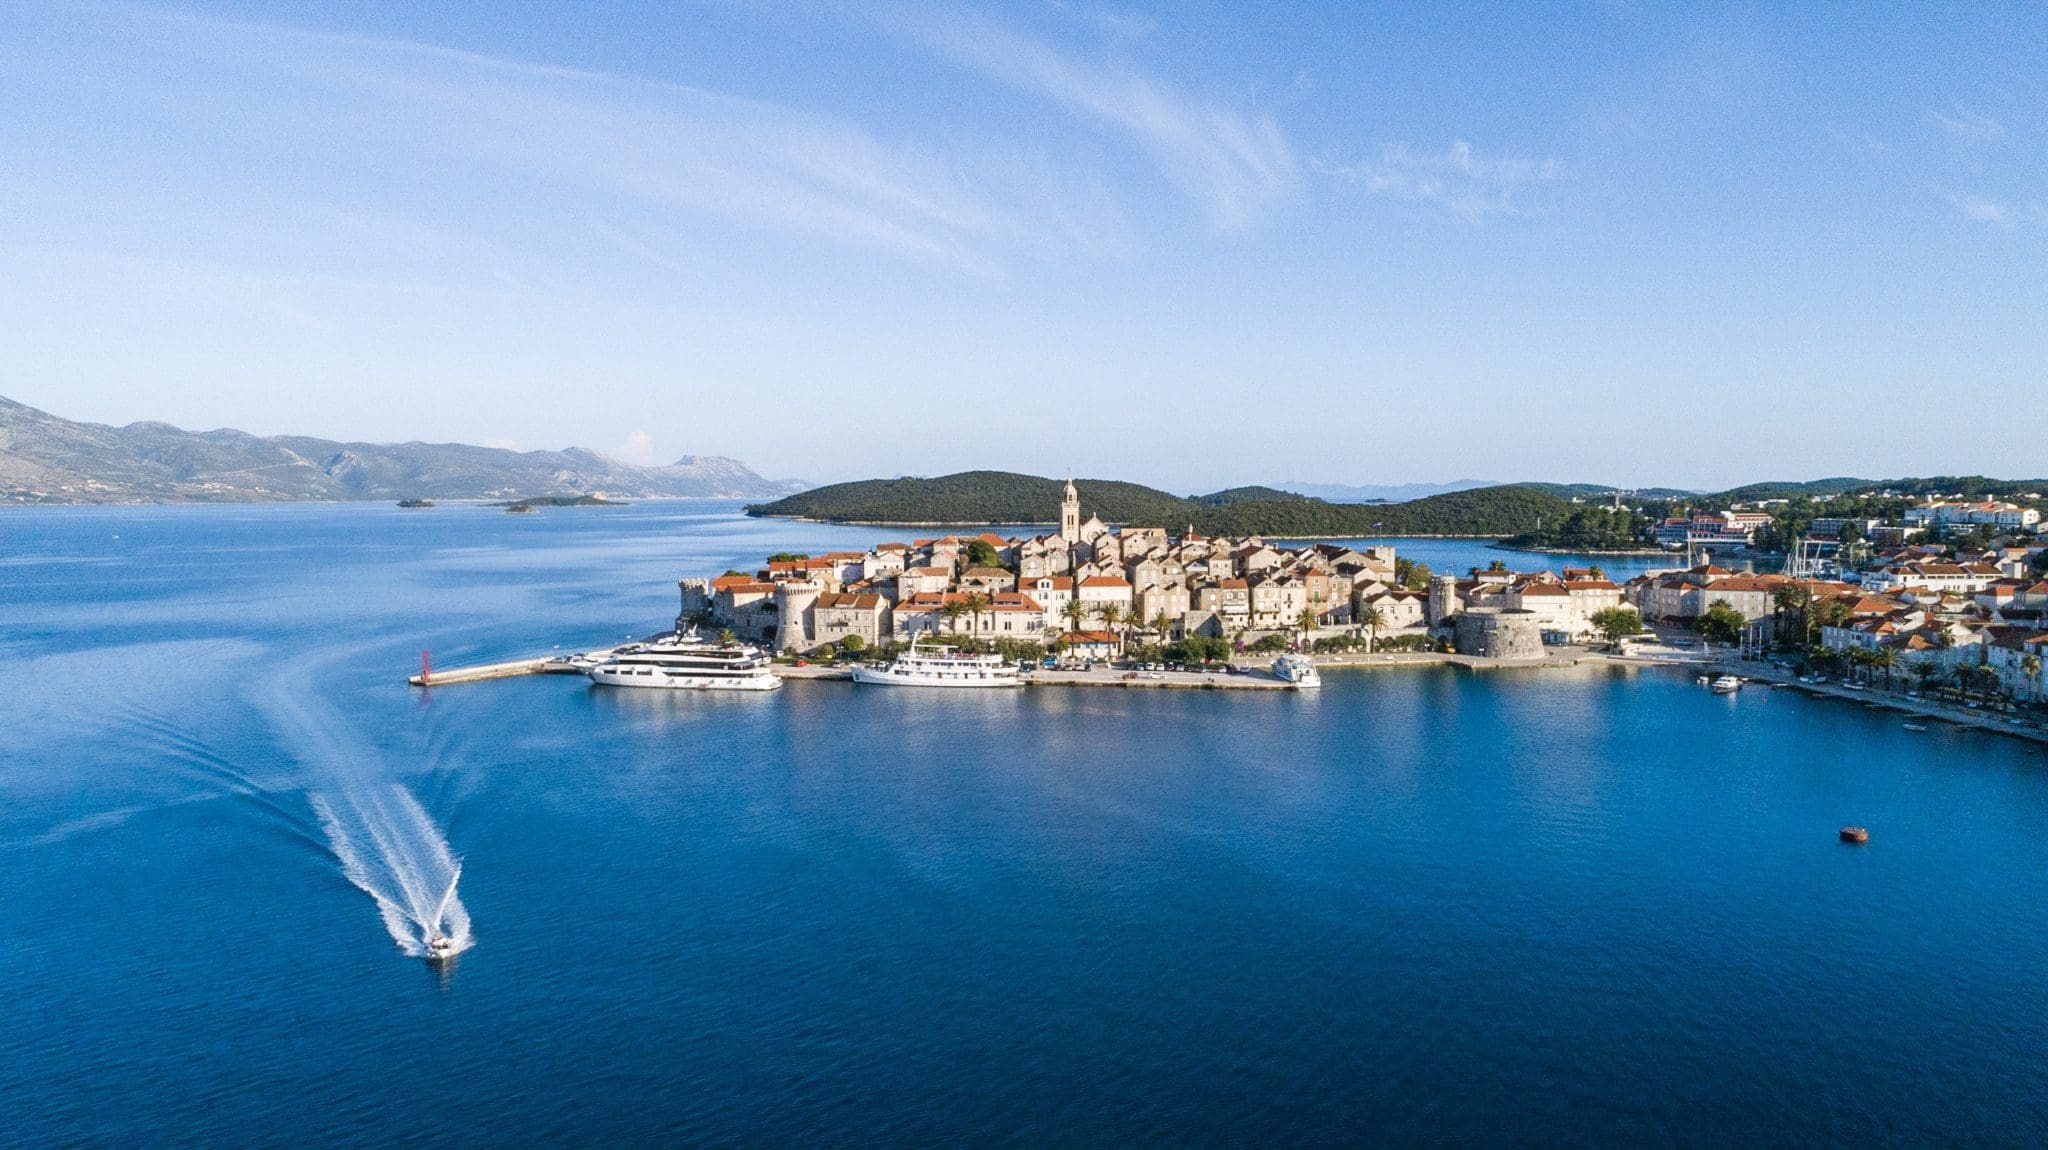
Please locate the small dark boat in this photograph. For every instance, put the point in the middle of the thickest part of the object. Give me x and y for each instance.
(1855, 835)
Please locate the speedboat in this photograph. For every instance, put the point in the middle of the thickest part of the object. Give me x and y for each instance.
(1726, 685)
(440, 948)
(1298, 670)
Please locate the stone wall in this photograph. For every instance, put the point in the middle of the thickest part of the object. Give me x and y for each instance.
(1499, 633)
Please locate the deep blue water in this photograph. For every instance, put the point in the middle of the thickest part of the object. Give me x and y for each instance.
(1425, 906)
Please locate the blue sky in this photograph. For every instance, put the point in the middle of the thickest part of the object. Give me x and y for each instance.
(1193, 245)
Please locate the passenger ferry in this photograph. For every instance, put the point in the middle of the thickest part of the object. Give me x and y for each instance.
(945, 668)
(1298, 670)
(685, 662)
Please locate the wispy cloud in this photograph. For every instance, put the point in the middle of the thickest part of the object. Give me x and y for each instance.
(1459, 178)
(626, 145)
(1234, 163)
(1963, 124)
(1985, 210)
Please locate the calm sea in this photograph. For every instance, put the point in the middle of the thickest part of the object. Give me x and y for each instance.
(1427, 906)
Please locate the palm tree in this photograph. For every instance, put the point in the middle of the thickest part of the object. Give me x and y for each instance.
(1074, 612)
(1372, 619)
(727, 639)
(1304, 623)
(1885, 659)
(1597, 571)
(1162, 625)
(2031, 664)
(1111, 615)
(1793, 598)
(977, 604)
(951, 612)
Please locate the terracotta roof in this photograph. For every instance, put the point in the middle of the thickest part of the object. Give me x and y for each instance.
(1104, 581)
(1090, 637)
(859, 602)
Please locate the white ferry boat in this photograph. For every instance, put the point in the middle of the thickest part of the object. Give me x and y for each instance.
(1298, 670)
(940, 667)
(685, 662)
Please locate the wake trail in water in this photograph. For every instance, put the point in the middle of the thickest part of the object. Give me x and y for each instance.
(392, 852)
(388, 846)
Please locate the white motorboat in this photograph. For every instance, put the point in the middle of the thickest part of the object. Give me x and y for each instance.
(1726, 685)
(686, 662)
(1298, 670)
(440, 948)
(940, 666)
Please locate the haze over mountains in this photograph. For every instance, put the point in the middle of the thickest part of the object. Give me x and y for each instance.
(47, 459)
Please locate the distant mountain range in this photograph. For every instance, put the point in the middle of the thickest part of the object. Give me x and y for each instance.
(45, 459)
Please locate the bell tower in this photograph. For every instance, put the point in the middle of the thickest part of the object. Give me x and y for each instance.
(1070, 514)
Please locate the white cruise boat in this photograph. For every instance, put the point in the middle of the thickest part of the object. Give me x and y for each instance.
(1298, 670)
(940, 666)
(686, 662)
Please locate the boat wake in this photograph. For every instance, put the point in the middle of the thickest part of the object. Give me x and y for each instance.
(392, 851)
(386, 843)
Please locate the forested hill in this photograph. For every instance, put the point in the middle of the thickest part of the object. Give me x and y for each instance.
(1000, 497)
(974, 497)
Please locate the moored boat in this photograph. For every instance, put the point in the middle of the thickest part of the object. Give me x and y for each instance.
(686, 662)
(940, 666)
(1298, 670)
(1726, 685)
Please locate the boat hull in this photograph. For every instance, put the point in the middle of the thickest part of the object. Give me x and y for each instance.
(686, 682)
(886, 678)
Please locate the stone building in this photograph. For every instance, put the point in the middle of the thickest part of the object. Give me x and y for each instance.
(1498, 633)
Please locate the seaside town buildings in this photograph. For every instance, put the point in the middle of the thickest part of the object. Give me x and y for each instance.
(1071, 585)
(1915, 608)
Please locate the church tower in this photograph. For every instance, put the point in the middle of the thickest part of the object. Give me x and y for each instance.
(1070, 514)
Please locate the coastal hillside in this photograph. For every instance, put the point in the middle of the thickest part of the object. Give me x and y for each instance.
(47, 459)
(974, 497)
(1001, 497)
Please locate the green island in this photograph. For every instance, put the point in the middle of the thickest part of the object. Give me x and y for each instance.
(1579, 518)
(538, 501)
(1002, 497)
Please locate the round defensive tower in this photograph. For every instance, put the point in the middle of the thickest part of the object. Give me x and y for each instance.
(1499, 633)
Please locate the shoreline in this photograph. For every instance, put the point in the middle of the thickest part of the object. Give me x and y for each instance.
(1637, 553)
(1252, 676)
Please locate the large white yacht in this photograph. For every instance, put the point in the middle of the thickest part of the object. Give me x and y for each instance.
(940, 666)
(685, 662)
(1298, 670)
